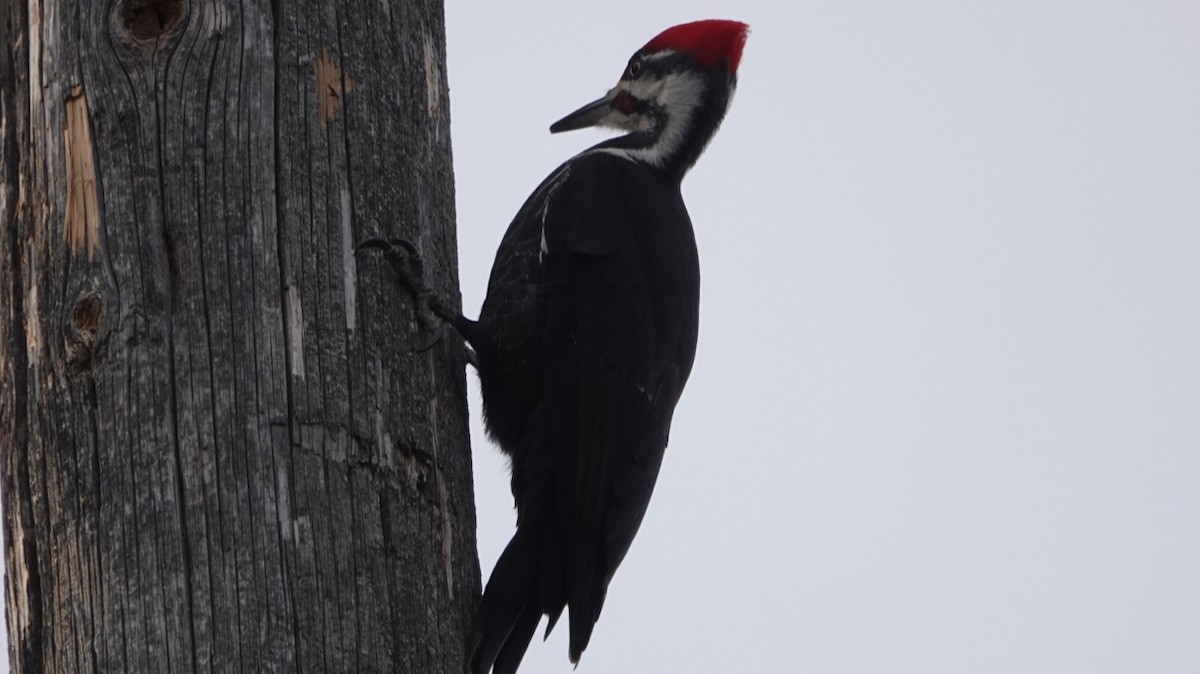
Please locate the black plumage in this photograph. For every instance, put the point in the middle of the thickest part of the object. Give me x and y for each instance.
(584, 344)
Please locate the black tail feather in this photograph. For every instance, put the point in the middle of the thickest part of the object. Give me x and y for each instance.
(554, 616)
(526, 583)
(522, 632)
(586, 602)
(508, 595)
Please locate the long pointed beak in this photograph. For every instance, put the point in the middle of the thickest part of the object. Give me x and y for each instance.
(589, 115)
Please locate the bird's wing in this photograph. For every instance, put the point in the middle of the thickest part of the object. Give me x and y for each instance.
(603, 366)
(600, 271)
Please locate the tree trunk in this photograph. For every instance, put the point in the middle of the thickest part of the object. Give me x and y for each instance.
(220, 453)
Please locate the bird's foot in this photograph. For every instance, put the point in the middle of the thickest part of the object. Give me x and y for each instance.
(410, 272)
(404, 259)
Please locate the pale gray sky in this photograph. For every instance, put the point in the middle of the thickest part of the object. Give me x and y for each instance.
(945, 415)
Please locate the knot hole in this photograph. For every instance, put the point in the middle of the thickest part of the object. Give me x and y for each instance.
(149, 20)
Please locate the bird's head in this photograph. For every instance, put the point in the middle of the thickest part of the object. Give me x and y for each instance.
(674, 91)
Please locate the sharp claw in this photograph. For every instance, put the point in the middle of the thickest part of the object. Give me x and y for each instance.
(386, 245)
(372, 243)
(430, 341)
(404, 259)
(405, 244)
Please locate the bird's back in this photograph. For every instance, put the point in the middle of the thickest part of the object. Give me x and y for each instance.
(593, 304)
(607, 213)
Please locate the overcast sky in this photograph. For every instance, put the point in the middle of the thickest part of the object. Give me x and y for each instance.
(945, 415)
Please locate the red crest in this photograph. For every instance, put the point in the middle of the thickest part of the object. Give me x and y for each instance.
(710, 43)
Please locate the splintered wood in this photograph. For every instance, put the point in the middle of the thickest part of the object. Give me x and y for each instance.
(332, 84)
(81, 228)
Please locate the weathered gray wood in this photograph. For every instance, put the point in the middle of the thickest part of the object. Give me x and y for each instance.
(219, 451)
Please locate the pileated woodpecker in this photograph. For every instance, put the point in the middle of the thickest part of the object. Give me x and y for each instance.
(588, 333)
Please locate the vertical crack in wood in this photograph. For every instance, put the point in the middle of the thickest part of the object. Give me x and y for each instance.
(295, 329)
(433, 78)
(332, 84)
(81, 228)
(24, 589)
(294, 535)
(349, 265)
(443, 497)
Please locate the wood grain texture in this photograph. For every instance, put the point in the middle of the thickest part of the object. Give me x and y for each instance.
(219, 451)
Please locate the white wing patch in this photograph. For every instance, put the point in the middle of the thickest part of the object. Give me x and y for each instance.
(551, 187)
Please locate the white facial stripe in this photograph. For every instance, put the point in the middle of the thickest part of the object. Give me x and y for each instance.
(658, 55)
(645, 90)
(679, 93)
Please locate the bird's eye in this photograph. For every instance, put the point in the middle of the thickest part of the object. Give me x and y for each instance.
(635, 67)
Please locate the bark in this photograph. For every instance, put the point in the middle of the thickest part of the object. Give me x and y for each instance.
(220, 452)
